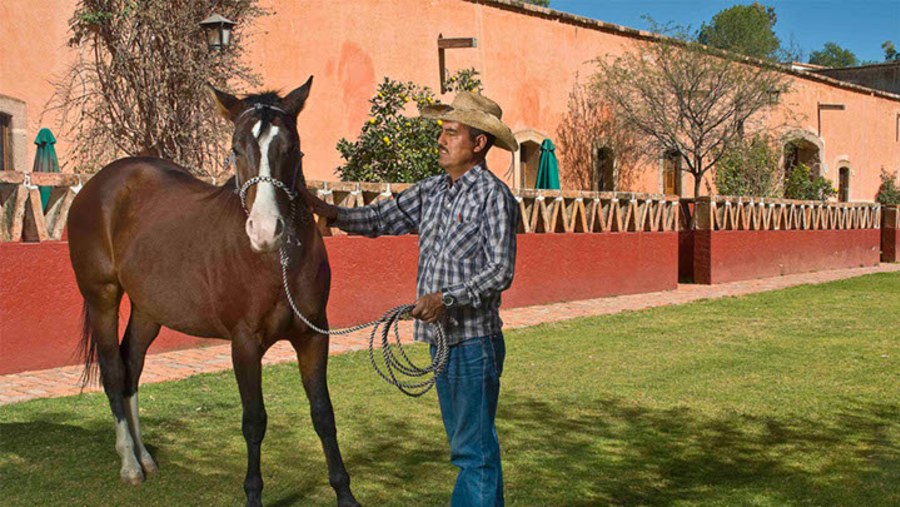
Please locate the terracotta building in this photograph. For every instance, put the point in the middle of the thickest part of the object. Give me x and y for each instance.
(527, 57)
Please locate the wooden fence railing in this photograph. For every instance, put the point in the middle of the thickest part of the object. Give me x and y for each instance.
(541, 211)
(720, 213)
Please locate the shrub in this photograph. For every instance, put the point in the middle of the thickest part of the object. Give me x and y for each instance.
(888, 191)
(751, 169)
(802, 185)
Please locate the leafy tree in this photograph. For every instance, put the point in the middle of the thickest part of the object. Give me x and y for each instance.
(137, 86)
(889, 190)
(890, 51)
(833, 55)
(686, 99)
(744, 29)
(801, 184)
(750, 168)
(394, 146)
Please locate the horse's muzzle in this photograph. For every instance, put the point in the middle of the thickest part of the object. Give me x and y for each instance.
(266, 234)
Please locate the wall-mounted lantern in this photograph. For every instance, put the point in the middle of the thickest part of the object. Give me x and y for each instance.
(218, 31)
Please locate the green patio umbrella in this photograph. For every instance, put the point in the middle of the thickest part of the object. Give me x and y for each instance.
(548, 168)
(45, 160)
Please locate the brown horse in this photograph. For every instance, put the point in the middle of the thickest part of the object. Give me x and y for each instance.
(194, 258)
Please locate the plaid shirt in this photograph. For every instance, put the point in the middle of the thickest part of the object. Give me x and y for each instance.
(467, 244)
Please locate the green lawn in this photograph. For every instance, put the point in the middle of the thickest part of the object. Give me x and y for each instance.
(783, 398)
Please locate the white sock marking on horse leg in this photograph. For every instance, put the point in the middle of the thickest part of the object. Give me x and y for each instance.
(132, 414)
(131, 469)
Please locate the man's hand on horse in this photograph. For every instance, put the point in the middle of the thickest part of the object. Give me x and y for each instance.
(429, 308)
(318, 206)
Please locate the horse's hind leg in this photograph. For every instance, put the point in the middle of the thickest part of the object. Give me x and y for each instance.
(312, 355)
(139, 334)
(103, 308)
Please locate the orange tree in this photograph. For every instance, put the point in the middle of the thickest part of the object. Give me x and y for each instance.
(394, 145)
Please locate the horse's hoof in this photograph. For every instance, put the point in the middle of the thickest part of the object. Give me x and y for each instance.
(133, 476)
(348, 502)
(149, 465)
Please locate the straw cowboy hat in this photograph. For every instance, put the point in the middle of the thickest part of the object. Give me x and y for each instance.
(475, 110)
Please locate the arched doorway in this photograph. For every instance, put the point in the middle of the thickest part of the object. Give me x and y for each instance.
(671, 173)
(801, 151)
(527, 160)
(844, 184)
(802, 148)
(604, 174)
(13, 141)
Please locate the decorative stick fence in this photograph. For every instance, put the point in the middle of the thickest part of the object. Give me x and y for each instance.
(541, 211)
(720, 213)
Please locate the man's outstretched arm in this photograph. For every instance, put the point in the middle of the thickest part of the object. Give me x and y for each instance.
(393, 217)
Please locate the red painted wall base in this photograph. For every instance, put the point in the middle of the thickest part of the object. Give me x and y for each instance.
(726, 256)
(686, 256)
(890, 245)
(40, 306)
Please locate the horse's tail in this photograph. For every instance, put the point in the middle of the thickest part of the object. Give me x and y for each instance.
(87, 348)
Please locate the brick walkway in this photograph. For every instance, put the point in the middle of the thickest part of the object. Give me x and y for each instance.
(184, 363)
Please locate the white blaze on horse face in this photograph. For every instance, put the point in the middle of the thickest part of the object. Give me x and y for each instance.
(262, 225)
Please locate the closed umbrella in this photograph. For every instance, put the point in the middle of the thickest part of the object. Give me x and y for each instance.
(45, 161)
(548, 169)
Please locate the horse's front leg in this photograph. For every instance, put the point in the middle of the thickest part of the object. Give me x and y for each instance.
(246, 355)
(312, 355)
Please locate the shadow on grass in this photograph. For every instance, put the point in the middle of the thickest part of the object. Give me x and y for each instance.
(609, 452)
(618, 453)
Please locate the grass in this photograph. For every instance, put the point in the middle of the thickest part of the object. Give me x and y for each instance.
(781, 398)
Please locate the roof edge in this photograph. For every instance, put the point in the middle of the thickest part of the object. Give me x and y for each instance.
(595, 24)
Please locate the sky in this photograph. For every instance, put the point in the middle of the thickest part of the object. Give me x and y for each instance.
(858, 25)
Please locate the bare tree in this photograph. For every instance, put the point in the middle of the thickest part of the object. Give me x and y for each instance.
(138, 85)
(686, 98)
(588, 126)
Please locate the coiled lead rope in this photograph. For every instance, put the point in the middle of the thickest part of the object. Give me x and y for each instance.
(394, 363)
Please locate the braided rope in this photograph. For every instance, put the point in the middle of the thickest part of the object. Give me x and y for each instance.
(393, 364)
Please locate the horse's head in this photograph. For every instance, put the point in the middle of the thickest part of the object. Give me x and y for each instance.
(267, 158)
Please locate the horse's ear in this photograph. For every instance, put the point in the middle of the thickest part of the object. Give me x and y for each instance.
(226, 104)
(295, 100)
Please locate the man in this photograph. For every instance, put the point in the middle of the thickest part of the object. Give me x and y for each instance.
(467, 221)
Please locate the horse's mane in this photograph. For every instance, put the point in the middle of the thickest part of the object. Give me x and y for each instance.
(268, 98)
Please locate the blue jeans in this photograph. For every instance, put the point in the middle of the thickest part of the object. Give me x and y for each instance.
(468, 391)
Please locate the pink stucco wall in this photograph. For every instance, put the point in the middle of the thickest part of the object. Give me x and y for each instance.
(528, 59)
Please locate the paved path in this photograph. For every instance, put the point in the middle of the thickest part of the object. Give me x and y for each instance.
(184, 363)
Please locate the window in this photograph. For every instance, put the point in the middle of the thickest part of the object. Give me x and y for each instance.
(5, 143)
(844, 185)
(672, 173)
(604, 170)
